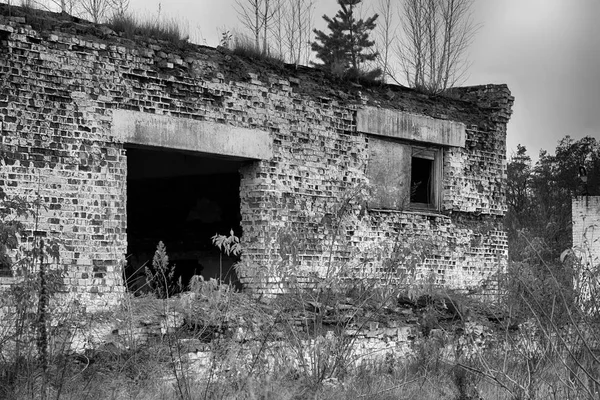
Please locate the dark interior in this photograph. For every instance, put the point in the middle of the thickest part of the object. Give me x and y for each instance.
(181, 199)
(420, 180)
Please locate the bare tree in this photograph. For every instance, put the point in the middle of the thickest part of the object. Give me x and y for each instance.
(64, 6)
(299, 20)
(96, 10)
(119, 7)
(249, 15)
(257, 16)
(437, 34)
(265, 24)
(306, 45)
(292, 31)
(277, 28)
(385, 36)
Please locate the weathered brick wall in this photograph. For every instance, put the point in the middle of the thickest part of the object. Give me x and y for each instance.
(475, 175)
(54, 149)
(303, 211)
(586, 229)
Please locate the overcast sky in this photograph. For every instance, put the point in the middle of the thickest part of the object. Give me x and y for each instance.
(547, 51)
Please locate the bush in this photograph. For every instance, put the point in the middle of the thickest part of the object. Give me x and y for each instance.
(29, 308)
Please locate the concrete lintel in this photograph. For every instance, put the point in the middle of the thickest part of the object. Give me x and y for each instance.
(401, 125)
(185, 134)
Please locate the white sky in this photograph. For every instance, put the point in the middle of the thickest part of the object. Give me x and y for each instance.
(547, 51)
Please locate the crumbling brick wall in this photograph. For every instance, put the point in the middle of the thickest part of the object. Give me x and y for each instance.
(305, 211)
(586, 229)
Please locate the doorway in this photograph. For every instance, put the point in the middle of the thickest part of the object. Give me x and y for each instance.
(182, 199)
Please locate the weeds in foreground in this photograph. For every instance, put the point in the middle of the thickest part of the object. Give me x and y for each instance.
(215, 343)
(212, 342)
(545, 341)
(160, 277)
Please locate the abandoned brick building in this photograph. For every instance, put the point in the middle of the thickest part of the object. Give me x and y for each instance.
(133, 141)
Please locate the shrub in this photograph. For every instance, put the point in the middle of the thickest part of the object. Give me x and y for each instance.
(27, 307)
(160, 277)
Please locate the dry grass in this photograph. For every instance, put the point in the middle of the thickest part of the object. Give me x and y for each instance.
(464, 359)
(147, 371)
(245, 47)
(131, 26)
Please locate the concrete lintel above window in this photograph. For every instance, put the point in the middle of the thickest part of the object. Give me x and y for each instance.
(401, 125)
(185, 134)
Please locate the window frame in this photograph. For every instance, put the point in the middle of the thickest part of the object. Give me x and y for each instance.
(389, 170)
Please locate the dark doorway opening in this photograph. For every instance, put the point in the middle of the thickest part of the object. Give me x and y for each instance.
(181, 199)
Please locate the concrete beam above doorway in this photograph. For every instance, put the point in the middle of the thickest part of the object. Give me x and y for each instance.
(140, 128)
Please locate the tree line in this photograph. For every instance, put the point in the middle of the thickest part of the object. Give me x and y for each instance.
(539, 196)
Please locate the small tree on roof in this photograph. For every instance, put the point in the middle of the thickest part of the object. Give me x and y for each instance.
(347, 47)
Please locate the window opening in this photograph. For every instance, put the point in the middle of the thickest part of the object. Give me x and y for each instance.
(404, 176)
(423, 178)
(181, 199)
(420, 180)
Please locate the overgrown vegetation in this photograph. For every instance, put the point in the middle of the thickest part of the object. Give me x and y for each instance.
(537, 339)
(278, 27)
(243, 46)
(96, 11)
(539, 197)
(423, 44)
(114, 14)
(29, 310)
(215, 343)
(131, 26)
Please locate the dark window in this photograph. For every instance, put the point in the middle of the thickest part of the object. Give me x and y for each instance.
(420, 180)
(425, 178)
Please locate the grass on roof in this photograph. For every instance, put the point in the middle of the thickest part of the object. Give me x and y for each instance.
(131, 26)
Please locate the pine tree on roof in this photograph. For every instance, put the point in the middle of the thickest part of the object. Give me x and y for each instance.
(347, 47)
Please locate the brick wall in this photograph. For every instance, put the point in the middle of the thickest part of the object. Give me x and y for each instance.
(303, 211)
(586, 228)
